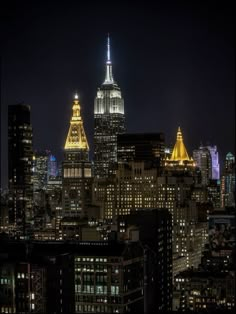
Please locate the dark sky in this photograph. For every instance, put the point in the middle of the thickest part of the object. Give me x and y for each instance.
(174, 63)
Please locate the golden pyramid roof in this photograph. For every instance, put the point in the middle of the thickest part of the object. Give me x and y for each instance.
(76, 138)
(179, 152)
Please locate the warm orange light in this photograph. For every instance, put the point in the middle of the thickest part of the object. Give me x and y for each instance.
(179, 152)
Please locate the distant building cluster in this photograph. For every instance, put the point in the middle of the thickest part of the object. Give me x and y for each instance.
(143, 228)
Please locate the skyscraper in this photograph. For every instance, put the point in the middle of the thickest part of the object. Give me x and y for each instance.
(40, 167)
(76, 177)
(19, 164)
(176, 187)
(52, 167)
(228, 182)
(207, 160)
(109, 120)
(215, 166)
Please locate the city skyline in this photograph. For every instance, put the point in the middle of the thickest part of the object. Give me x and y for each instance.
(117, 157)
(173, 68)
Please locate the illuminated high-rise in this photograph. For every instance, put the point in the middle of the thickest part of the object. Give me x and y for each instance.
(176, 191)
(228, 182)
(207, 160)
(19, 164)
(109, 120)
(52, 167)
(40, 161)
(215, 166)
(76, 176)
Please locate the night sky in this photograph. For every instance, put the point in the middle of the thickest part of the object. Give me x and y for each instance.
(174, 65)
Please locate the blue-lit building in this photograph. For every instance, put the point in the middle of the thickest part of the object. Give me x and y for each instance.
(52, 171)
(207, 160)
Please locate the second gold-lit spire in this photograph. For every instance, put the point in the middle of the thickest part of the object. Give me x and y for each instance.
(179, 152)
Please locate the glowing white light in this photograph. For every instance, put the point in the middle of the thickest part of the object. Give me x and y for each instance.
(108, 49)
(76, 96)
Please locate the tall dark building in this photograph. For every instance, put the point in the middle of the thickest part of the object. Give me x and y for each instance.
(155, 234)
(20, 155)
(76, 178)
(141, 147)
(109, 120)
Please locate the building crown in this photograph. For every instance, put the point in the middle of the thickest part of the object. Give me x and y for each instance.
(179, 152)
(76, 138)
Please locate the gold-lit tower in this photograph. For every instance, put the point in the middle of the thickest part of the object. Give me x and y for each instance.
(178, 190)
(76, 138)
(76, 166)
(179, 154)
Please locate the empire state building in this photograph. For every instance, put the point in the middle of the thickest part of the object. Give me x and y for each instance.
(109, 120)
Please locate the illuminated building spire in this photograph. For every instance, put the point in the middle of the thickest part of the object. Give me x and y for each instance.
(179, 152)
(108, 49)
(108, 78)
(76, 138)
